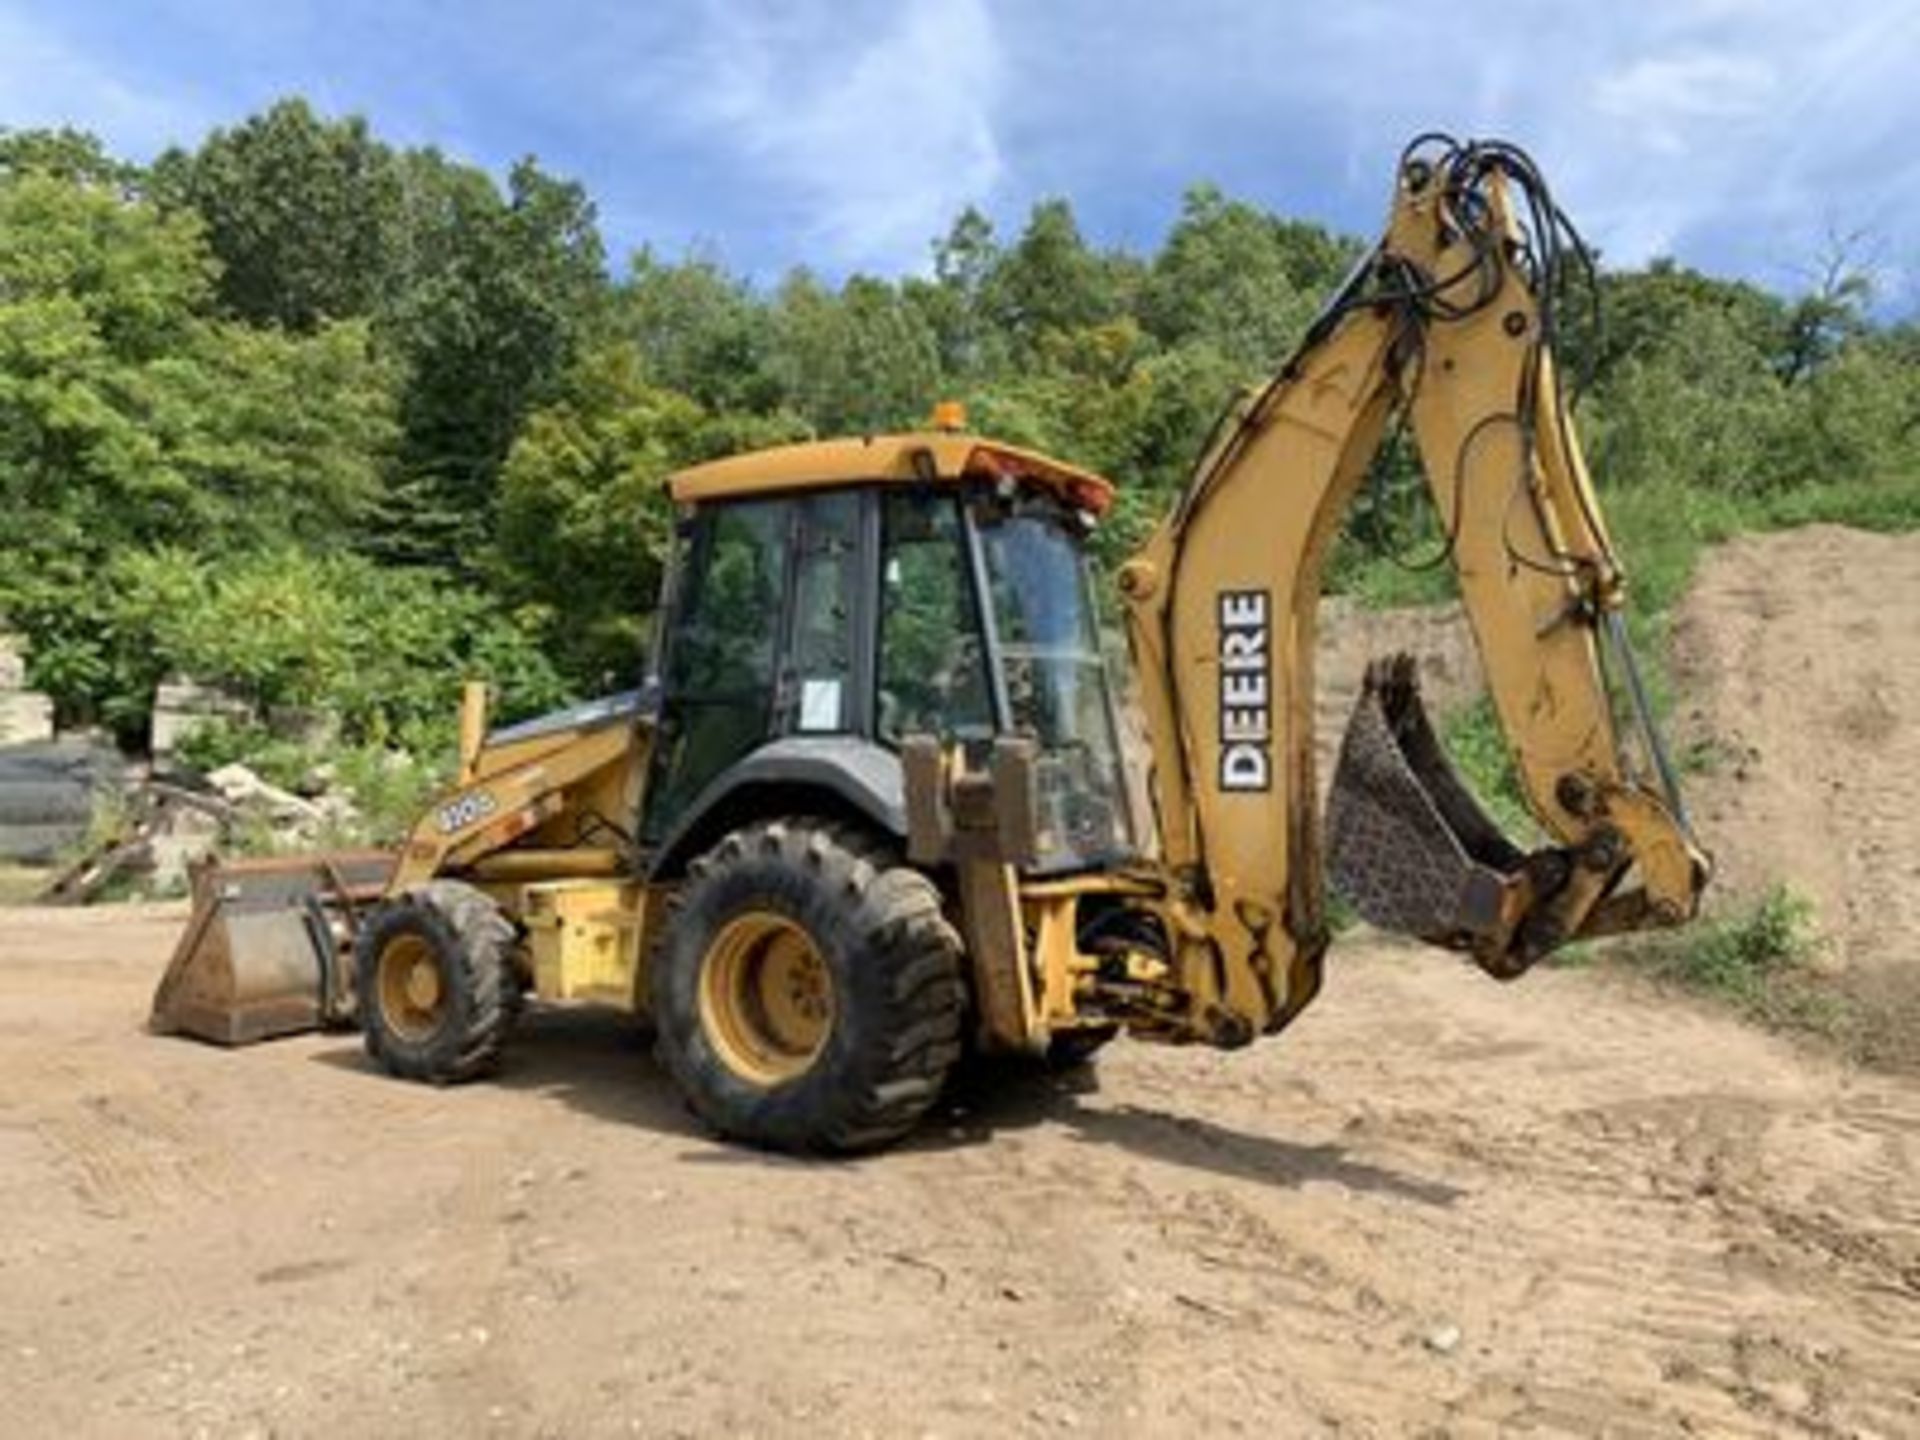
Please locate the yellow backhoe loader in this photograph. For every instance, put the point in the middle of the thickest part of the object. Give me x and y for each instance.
(870, 811)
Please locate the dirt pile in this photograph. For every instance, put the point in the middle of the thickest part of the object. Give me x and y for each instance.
(1350, 637)
(1797, 663)
(1796, 666)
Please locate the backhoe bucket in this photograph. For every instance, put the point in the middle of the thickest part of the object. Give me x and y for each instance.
(1407, 843)
(268, 948)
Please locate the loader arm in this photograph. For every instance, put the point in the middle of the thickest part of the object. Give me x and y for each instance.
(1447, 327)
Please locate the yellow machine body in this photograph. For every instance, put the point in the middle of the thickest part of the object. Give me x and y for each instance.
(583, 938)
(1216, 932)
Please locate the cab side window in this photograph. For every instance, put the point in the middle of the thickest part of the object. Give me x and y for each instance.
(721, 654)
(723, 643)
(824, 586)
(933, 666)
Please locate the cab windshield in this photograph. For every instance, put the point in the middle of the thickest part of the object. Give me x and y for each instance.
(1048, 642)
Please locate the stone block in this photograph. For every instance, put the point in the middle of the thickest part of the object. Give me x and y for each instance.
(26, 716)
(181, 707)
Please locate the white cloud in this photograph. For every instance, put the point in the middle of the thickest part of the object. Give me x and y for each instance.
(876, 139)
(1737, 135)
(1727, 132)
(1669, 100)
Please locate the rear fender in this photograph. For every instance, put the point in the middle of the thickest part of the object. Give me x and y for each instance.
(840, 776)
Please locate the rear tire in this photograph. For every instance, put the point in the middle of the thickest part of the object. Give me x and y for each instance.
(435, 984)
(808, 995)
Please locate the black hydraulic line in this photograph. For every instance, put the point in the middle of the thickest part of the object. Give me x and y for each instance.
(1643, 715)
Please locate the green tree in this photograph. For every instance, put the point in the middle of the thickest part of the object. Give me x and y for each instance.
(302, 213)
(699, 331)
(1830, 315)
(1644, 311)
(584, 521)
(498, 296)
(1241, 281)
(129, 419)
(1050, 280)
(953, 303)
(1699, 408)
(64, 154)
(1859, 415)
(860, 360)
(126, 413)
(381, 649)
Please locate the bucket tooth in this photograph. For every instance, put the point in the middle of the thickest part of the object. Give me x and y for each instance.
(265, 950)
(1407, 843)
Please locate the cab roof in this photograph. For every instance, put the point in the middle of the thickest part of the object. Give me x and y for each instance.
(940, 456)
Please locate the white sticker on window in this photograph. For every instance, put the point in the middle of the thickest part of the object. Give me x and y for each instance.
(819, 704)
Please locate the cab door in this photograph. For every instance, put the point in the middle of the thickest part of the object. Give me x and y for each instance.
(822, 687)
(722, 652)
(765, 640)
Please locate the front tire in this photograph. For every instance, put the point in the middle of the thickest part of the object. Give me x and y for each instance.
(808, 995)
(435, 984)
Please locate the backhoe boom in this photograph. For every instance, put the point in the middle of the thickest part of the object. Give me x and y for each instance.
(1449, 326)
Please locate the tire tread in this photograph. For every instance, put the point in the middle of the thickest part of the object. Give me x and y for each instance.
(912, 1031)
(454, 914)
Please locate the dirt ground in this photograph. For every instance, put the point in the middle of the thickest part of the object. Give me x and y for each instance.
(1441, 1206)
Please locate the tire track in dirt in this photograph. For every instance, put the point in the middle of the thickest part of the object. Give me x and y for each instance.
(131, 1148)
(1596, 1254)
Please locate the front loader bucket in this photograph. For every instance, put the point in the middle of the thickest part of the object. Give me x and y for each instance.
(267, 949)
(1407, 843)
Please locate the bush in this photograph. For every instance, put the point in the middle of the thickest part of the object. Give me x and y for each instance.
(1734, 952)
(216, 742)
(381, 649)
(388, 788)
(1478, 748)
(1754, 957)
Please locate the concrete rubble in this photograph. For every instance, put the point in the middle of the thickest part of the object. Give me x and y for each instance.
(243, 789)
(172, 823)
(140, 826)
(181, 708)
(26, 716)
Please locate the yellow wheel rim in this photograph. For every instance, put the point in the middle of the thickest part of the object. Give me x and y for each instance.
(412, 998)
(766, 997)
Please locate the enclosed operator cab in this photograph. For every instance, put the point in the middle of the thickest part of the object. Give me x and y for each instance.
(835, 601)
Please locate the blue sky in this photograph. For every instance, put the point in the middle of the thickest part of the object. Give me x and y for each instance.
(1740, 135)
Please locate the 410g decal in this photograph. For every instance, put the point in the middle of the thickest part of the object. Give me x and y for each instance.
(462, 811)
